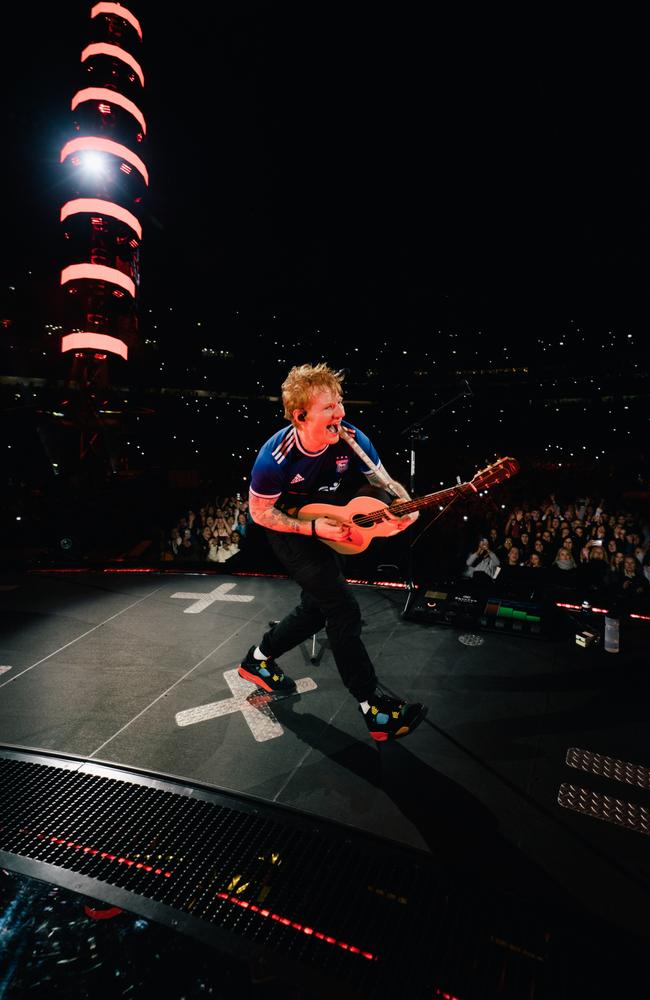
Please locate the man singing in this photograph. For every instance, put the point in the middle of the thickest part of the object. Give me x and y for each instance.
(310, 457)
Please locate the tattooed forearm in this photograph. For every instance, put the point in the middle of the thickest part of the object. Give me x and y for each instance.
(277, 521)
(396, 487)
(264, 513)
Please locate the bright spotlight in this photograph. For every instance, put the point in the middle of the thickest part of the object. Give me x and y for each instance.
(95, 164)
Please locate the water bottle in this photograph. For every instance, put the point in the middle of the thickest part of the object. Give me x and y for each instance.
(611, 633)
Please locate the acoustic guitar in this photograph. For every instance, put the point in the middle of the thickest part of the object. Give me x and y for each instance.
(368, 518)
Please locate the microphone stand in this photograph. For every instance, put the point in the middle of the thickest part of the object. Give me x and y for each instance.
(415, 433)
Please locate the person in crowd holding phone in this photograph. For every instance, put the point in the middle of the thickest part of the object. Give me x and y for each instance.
(483, 561)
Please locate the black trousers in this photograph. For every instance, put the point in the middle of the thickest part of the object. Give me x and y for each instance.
(326, 600)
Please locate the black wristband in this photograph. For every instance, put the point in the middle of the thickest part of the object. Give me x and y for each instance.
(313, 528)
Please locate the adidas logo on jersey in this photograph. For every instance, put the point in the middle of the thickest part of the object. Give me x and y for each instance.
(297, 479)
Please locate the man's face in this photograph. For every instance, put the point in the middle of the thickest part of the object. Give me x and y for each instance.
(323, 417)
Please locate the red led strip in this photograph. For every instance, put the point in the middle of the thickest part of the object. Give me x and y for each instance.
(351, 948)
(105, 855)
(116, 569)
(579, 607)
(281, 576)
(103, 49)
(120, 11)
(112, 97)
(643, 618)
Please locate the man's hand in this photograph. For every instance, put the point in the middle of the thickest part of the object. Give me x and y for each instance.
(407, 520)
(402, 523)
(333, 531)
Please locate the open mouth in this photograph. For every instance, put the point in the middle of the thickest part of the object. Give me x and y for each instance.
(333, 428)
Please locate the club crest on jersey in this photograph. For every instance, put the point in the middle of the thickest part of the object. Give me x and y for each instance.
(342, 463)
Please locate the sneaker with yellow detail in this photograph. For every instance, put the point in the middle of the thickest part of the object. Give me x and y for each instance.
(265, 674)
(389, 718)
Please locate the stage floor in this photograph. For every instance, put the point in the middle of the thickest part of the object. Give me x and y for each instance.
(140, 670)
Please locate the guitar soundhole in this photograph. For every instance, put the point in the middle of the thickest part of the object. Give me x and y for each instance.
(369, 520)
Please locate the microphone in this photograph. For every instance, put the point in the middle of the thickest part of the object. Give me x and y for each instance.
(468, 389)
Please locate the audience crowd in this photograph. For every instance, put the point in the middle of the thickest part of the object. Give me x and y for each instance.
(213, 533)
(582, 543)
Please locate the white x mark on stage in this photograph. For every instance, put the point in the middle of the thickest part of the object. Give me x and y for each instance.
(219, 593)
(254, 705)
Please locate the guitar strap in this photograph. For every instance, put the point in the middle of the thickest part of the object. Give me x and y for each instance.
(379, 472)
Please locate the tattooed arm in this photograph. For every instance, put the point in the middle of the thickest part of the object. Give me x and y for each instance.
(264, 512)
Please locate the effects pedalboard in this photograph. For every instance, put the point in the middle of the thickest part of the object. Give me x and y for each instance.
(459, 607)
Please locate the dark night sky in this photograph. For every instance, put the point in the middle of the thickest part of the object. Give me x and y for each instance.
(368, 172)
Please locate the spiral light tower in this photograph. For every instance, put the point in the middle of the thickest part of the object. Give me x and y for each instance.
(105, 178)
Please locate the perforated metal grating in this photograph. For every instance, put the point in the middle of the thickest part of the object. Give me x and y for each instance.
(335, 908)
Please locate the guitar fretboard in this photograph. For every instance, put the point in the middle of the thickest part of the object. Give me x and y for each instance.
(408, 506)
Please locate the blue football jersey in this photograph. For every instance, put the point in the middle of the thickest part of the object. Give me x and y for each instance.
(285, 471)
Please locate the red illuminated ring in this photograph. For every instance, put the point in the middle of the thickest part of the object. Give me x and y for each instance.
(104, 49)
(120, 11)
(94, 143)
(100, 207)
(112, 96)
(98, 272)
(94, 342)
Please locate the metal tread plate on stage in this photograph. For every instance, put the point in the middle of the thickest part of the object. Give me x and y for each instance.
(607, 808)
(609, 767)
(338, 908)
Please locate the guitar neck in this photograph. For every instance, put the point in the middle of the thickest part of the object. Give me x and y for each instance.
(408, 506)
